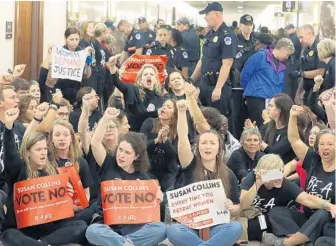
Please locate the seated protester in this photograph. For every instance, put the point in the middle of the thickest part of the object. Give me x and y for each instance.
(162, 144)
(64, 150)
(27, 109)
(8, 100)
(179, 54)
(245, 159)
(32, 162)
(328, 235)
(21, 86)
(274, 133)
(326, 54)
(94, 113)
(266, 196)
(142, 99)
(206, 164)
(129, 163)
(69, 87)
(297, 227)
(104, 140)
(64, 110)
(161, 47)
(34, 90)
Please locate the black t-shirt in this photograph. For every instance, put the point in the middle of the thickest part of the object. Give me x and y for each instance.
(111, 171)
(84, 171)
(93, 118)
(186, 177)
(46, 91)
(98, 57)
(319, 182)
(267, 199)
(241, 164)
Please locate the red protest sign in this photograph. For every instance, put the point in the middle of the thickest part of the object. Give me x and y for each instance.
(135, 63)
(79, 197)
(41, 200)
(130, 201)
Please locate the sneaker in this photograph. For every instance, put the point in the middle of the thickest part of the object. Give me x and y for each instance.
(269, 239)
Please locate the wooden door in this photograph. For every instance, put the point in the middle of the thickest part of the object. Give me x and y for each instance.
(28, 44)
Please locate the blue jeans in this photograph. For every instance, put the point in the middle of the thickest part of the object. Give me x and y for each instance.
(150, 234)
(221, 235)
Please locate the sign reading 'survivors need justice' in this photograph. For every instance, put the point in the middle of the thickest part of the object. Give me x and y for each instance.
(199, 205)
(67, 64)
(41, 200)
(130, 201)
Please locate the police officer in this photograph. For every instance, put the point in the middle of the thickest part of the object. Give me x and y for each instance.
(160, 47)
(311, 66)
(148, 33)
(246, 44)
(219, 51)
(191, 41)
(179, 54)
(135, 42)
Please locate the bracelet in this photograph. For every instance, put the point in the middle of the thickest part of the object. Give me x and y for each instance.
(38, 120)
(323, 204)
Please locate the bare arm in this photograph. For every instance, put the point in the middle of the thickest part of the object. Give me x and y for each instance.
(185, 154)
(197, 71)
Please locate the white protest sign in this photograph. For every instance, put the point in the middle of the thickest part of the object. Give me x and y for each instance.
(199, 205)
(67, 64)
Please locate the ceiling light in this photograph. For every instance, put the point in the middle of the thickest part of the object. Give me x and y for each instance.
(240, 7)
(240, 11)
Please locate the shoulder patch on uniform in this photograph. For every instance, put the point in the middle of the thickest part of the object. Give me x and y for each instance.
(185, 55)
(137, 36)
(227, 41)
(148, 52)
(150, 35)
(311, 53)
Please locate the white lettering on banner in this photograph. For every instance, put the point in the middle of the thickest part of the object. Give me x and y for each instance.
(199, 205)
(67, 64)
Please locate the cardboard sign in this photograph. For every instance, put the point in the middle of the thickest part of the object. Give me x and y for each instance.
(41, 200)
(79, 197)
(130, 201)
(199, 205)
(271, 175)
(135, 63)
(67, 64)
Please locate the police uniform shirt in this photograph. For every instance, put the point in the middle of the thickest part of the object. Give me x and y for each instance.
(191, 43)
(245, 48)
(311, 62)
(180, 57)
(135, 40)
(297, 45)
(156, 49)
(98, 56)
(218, 45)
(149, 37)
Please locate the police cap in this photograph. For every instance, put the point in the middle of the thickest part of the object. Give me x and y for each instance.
(214, 6)
(246, 20)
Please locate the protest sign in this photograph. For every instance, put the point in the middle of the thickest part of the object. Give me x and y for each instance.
(41, 200)
(130, 201)
(67, 64)
(135, 63)
(79, 197)
(199, 205)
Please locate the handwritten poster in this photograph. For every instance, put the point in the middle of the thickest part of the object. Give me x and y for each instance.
(199, 205)
(67, 64)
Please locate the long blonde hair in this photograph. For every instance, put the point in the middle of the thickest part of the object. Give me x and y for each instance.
(157, 87)
(27, 143)
(75, 152)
